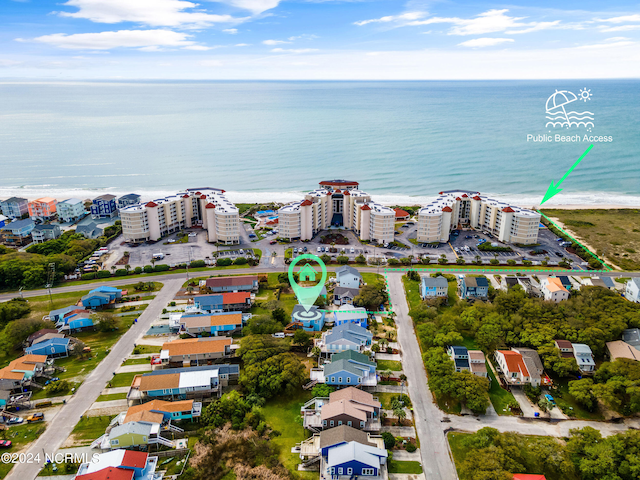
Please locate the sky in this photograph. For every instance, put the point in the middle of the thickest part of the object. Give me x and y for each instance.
(317, 39)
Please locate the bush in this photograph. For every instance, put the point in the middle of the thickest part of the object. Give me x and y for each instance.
(89, 276)
(487, 247)
(411, 447)
(197, 264)
(240, 261)
(527, 262)
(60, 386)
(494, 261)
(511, 262)
(103, 274)
(342, 259)
(393, 261)
(223, 262)
(148, 269)
(389, 440)
(161, 268)
(460, 260)
(121, 272)
(360, 259)
(137, 270)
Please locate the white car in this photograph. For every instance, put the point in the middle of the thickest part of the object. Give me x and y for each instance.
(319, 249)
(171, 240)
(193, 234)
(353, 250)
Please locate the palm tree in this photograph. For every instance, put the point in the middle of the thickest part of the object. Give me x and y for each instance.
(127, 267)
(189, 289)
(400, 414)
(113, 268)
(386, 373)
(153, 261)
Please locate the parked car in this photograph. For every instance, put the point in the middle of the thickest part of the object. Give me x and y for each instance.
(36, 417)
(319, 249)
(5, 443)
(15, 421)
(295, 250)
(305, 249)
(278, 335)
(353, 250)
(272, 242)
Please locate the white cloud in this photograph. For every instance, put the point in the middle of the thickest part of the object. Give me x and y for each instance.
(274, 42)
(254, 6)
(394, 18)
(609, 43)
(485, 42)
(120, 38)
(230, 31)
(294, 50)
(304, 36)
(199, 47)
(621, 19)
(491, 21)
(242, 45)
(619, 28)
(155, 13)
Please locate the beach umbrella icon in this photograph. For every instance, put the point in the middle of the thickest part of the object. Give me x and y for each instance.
(557, 102)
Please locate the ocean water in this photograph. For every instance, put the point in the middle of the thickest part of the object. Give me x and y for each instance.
(403, 141)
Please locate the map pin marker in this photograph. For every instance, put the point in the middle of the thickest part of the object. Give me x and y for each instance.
(307, 296)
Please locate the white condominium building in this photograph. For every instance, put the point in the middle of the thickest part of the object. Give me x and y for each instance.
(337, 203)
(205, 207)
(456, 209)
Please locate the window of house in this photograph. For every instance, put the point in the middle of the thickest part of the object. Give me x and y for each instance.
(324, 422)
(333, 470)
(348, 379)
(339, 379)
(333, 379)
(368, 471)
(115, 442)
(339, 422)
(349, 423)
(340, 470)
(331, 423)
(349, 471)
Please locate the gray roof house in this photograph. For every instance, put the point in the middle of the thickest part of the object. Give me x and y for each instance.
(91, 230)
(347, 336)
(42, 233)
(348, 277)
(344, 295)
(432, 287)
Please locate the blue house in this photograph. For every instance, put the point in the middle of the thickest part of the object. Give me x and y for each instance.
(128, 200)
(460, 357)
(350, 368)
(104, 206)
(218, 302)
(101, 296)
(224, 323)
(17, 232)
(311, 321)
(15, 207)
(52, 348)
(433, 287)
(182, 383)
(351, 314)
(56, 315)
(76, 322)
(3, 221)
(347, 336)
(474, 287)
(355, 459)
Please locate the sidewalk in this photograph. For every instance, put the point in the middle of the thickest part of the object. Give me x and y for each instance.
(134, 368)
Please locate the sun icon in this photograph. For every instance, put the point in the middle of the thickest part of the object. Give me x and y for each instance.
(585, 94)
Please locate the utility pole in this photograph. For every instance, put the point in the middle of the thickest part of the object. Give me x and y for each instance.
(51, 275)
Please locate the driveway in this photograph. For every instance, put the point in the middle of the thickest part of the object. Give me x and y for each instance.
(62, 424)
(528, 410)
(436, 461)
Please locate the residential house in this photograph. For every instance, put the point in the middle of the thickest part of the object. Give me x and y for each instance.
(240, 283)
(584, 357)
(187, 352)
(344, 295)
(632, 337)
(316, 448)
(348, 277)
(182, 383)
(54, 347)
(553, 290)
(474, 287)
(129, 199)
(104, 206)
(311, 321)
(604, 282)
(136, 434)
(533, 363)
(101, 297)
(354, 459)
(70, 210)
(460, 357)
(565, 281)
(179, 410)
(401, 215)
(17, 232)
(120, 465)
(565, 347)
(223, 302)
(477, 363)
(56, 315)
(90, 230)
(22, 371)
(347, 406)
(225, 323)
(40, 333)
(514, 370)
(351, 314)
(42, 233)
(3, 221)
(632, 289)
(619, 349)
(44, 208)
(15, 207)
(510, 282)
(76, 322)
(433, 287)
(349, 368)
(347, 336)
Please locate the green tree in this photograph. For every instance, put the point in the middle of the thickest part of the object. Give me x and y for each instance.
(255, 348)
(582, 391)
(283, 373)
(107, 322)
(322, 390)
(302, 338)
(371, 296)
(389, 440)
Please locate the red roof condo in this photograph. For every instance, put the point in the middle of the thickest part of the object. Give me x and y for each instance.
(365, 207)
(210, 205)
(508, 210)
(464, 195)
(346, 192)
(203, 197)
(306, 203)
(477, 198)
(447, 209)
(134, 459)
(151, 204)
(185, 196)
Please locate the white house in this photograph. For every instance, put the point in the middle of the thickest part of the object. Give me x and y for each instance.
(514, 370)
(632, 292)
(584, 357)
(553, 290)
(348, 277)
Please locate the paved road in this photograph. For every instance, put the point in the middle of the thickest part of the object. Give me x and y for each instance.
(62, 424)
(436, 462)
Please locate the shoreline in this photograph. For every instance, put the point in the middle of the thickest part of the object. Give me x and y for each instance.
(578, 201)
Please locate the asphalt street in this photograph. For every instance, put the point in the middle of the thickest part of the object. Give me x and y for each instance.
(59, 429)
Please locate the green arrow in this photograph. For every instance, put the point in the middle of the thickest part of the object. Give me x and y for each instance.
(555, 189)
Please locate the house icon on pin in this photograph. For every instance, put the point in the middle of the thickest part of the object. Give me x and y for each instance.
(307, 274)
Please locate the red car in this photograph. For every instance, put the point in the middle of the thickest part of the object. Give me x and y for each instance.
(5, 443)
(272, 242)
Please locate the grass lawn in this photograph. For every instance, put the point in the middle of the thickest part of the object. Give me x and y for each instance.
(470, 343)
(142, 349)
(283, 414)
(392, 365)
(403, 466)
(111, 396)
(122, 379)
(567, 403)
(20, 437)
(412, 291)
(137, 361)
(385, 398)
(44, 393)
(499, 397)
(90, 428)
(616, 231)
(196, 280)
(369, 277)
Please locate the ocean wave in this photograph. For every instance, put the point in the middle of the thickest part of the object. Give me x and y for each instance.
(577, 124)
(561, 117)
(571, 113)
